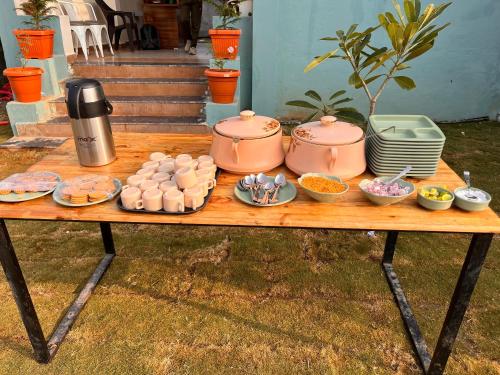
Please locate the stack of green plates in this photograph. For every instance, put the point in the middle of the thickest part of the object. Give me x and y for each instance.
(395, 141)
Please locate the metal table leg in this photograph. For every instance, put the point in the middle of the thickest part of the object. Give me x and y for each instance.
(461, 297)
(45, 350)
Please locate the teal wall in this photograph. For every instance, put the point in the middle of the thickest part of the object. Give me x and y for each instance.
(459, 78)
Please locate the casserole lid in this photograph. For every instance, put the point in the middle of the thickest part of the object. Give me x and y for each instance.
(328, 132)
(248, 126)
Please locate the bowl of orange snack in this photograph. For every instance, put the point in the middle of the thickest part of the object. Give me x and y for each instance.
(322, 187)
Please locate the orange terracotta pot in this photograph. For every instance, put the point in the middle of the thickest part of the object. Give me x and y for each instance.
(222, 83)
(35, 44)
(225, 43)
(26, 83)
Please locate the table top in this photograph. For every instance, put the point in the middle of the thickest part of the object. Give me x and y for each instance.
(352, 212)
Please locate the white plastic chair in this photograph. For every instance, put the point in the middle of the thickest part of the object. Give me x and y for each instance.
(81, 24)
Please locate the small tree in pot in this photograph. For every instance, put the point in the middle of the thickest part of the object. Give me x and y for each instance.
(226, 38)
(41, 39)
(222, 82)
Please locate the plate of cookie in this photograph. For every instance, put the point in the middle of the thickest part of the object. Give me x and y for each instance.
(86, 190)
(21, 187)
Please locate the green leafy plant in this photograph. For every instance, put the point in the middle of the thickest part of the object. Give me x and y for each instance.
(411, 33)
(219, 63)
(228, 10)
(38, 11)
(24, 46)
(320, 107)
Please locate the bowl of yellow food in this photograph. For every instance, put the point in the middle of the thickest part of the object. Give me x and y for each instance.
(435, 198)
(322, 187)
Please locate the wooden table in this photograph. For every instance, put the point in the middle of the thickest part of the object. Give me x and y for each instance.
(354, 212)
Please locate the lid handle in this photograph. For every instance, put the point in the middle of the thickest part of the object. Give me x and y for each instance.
(247, 115)
(328, 120)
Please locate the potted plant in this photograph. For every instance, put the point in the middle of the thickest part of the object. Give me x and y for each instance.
(25, 81)
(41, 39)
(321, 107)
(225, 38)
(222, 82)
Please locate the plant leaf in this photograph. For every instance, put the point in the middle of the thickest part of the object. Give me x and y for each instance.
(406, 83)
(417, 8)
(386, 56)
(349, 114)
(410, 31)
(382, 20)
(409, 11)
(424, 19)
(391, 17)
(370, 59)
(318, 60)
(417, 52)
(313, 95)
(354, 79)
(302, 104)
(329, 38)
(345, 100)
(336, 94)
(396, 5)
(395, 33)
(373, 78)
(351, 30)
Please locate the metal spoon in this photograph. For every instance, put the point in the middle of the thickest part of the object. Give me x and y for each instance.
(261, 180)
(268, 189)
(279, 181)
(249, 183)
(468, 194)
(400, 174)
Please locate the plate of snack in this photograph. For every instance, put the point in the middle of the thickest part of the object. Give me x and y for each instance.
(382, 193)
(169, 185)
(322, 187)
(265, 191)
(86, 190)
(21, 187)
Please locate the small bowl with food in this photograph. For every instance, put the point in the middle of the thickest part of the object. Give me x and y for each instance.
(472, 199)
(381, 193)
(435, 198)
(322, 187)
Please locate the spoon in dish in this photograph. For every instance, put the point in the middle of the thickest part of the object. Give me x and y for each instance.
(279, 181)
(468, 193)
(400, 174)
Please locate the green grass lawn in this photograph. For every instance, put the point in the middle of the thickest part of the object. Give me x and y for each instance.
(190, 300)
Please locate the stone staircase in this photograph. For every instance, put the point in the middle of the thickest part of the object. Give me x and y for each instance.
(158, 97)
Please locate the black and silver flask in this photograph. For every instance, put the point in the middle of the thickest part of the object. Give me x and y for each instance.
(88, 110)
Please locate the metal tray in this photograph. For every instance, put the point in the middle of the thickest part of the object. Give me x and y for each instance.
(187, 211)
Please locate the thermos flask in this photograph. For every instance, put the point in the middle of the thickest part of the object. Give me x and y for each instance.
(88, 110)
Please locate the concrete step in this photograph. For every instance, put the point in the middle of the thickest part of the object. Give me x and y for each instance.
(133, 69)
(183, 106)
(60, 126)
(155, 86)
